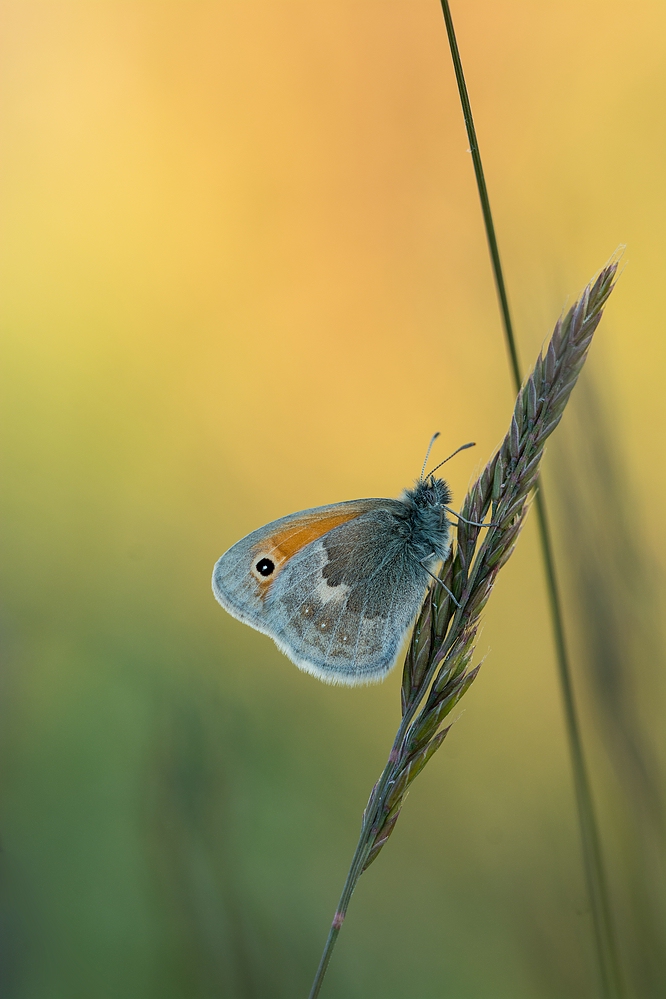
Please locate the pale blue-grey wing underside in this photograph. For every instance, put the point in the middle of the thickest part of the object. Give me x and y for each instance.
(339, 606)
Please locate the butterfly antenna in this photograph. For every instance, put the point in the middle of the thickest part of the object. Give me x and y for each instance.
(425, 462)
(462, 447)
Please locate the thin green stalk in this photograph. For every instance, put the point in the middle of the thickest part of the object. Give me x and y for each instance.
(436, 672)
(364, 845)
(611, 977)
(353, 875)
(373, 810)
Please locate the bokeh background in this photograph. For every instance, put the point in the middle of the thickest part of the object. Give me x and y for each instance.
(244, 273)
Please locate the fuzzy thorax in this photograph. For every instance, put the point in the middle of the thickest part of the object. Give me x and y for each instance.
(426, 524)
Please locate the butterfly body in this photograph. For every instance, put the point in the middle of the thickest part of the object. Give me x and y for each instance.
(337, 587)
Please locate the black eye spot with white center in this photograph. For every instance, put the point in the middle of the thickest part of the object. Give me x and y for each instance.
(265, 567)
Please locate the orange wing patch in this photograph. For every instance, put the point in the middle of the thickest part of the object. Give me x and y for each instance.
(278, 548)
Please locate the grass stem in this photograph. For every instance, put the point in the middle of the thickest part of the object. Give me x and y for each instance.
(609, 967)
(362, 851)
(436, 672)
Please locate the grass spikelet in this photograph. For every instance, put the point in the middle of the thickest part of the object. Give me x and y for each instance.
(436, 672)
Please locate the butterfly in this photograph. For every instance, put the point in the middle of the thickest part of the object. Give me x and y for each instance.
(336, 587)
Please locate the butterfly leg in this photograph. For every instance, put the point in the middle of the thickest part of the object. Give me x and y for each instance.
(438, 580)
(474, 523)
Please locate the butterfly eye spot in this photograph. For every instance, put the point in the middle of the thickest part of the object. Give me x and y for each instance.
(265, 567)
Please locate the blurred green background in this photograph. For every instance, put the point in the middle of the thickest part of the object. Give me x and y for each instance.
(244, 273)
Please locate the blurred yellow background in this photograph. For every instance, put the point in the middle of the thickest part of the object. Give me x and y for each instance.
(244, 273)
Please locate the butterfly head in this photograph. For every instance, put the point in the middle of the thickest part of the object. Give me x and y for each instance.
(430, 493)
(425, 516)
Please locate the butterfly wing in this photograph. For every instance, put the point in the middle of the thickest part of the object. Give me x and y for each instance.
(238, 585)
(343, 589)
